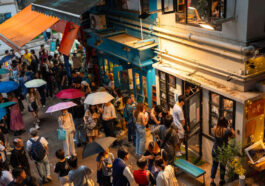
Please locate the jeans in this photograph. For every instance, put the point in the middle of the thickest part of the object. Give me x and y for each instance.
(215, 166)
(43, 167)
(80, 134)
(140, 139)
(68, 144)
(131, 133)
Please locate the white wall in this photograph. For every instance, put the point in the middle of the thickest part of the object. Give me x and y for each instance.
(5, 9)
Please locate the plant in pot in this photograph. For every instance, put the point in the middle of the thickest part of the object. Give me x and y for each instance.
(230, 155)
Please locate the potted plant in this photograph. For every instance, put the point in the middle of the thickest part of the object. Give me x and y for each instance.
(230, 155)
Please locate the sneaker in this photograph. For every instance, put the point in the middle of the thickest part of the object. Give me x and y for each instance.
(49, 178)
(38, 120)
(221, 182)
(178, 154)
(37, 126)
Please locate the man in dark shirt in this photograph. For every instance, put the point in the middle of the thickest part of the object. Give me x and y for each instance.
(18, 158)
(61, 77)
(19, 176)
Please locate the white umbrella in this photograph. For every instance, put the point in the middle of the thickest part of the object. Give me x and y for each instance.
(35, 83)
(98, 98)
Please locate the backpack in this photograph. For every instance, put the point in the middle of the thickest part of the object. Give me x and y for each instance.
(38, 152)
(106, 171)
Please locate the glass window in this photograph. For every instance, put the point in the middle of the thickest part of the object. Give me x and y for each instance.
(200, 13)
(132, 5)
(145, 88)
(106, 63)
(111, 67)
(137, 83)
(221, 107)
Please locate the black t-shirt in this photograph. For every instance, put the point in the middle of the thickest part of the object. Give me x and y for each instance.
(62, 168)
(12, 183)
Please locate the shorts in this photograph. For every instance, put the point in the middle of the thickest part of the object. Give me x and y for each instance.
(180, 131)
(33, 108)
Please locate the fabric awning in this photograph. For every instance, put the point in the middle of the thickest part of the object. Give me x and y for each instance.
(69, 10)
(24, 27)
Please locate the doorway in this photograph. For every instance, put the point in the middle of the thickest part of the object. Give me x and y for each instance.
(193, 119)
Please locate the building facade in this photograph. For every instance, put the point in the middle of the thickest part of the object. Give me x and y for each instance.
(213, 51)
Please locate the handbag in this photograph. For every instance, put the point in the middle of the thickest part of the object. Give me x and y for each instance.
(61, 134)
(91, 123)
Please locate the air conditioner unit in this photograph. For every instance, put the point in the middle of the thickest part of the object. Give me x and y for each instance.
(97, 22)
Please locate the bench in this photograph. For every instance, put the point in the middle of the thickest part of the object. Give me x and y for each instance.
(190, 169)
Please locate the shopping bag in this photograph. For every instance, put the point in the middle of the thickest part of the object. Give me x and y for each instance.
(61, 134)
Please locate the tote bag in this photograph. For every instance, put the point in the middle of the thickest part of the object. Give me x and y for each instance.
(61, 134)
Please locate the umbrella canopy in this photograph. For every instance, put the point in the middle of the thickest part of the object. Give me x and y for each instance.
(4, 71)
(8, 86)
(35, 83)
(98, 98)
(7, 104)
(60, 106)
(2, 113)
(70, 94)
(99, 145)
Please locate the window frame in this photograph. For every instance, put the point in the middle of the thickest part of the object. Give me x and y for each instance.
(167, 102)
(185, 12)
(221, 110)
(143, 9)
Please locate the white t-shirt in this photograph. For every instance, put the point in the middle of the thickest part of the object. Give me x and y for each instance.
(169, 175)
(178, 117)
(43, 141)
(6, 178)
(160, 179)
(108, 111)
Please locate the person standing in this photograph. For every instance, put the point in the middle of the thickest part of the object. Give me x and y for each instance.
(16, 121)
(91, 120)
(167, 138)
(37, 148)
(141, 122)
(28, 57)
(18, 158)
(179, 122)
(78, 113)
(108, 116)
(104, 168)
(122, 174)
(155, 117)
(128, 116)
(5, 177)
(222, 132)
(79, 175)
(62, 168)
(66, 123)
(33, 100)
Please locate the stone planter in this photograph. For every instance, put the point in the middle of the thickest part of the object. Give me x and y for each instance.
(242, 180)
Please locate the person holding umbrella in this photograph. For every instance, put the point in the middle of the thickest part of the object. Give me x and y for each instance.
(33, 100)
(16, 121)
(66, 123)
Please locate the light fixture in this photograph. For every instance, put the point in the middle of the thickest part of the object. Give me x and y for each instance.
(206, 26)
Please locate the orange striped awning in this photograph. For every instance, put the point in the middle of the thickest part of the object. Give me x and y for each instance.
(24, 27)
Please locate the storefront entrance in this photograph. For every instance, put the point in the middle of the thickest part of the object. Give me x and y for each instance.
(193, 119)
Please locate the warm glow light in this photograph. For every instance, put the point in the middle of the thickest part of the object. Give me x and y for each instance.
(209, 27)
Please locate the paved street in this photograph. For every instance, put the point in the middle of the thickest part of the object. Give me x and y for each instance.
(48, 130)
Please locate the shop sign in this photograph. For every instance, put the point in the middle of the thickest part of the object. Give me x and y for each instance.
(255, 109)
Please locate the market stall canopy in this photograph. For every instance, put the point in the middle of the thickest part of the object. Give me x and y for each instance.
(69, 10)
(24, 27)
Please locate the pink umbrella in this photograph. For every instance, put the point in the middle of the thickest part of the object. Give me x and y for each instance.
(60, 106)
(70, 94)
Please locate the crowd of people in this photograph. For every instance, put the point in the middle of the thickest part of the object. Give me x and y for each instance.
(84, 123)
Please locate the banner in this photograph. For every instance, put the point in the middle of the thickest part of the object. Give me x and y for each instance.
(69, 36)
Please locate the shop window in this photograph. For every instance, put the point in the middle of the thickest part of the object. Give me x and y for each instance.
(132, 5)
(4, 17)
(137, 84)
(145, 89)
(220, 107)
(106, 64)
(200, 13)
(167, 86)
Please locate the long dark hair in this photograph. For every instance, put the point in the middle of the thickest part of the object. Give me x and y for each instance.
(221, 125)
